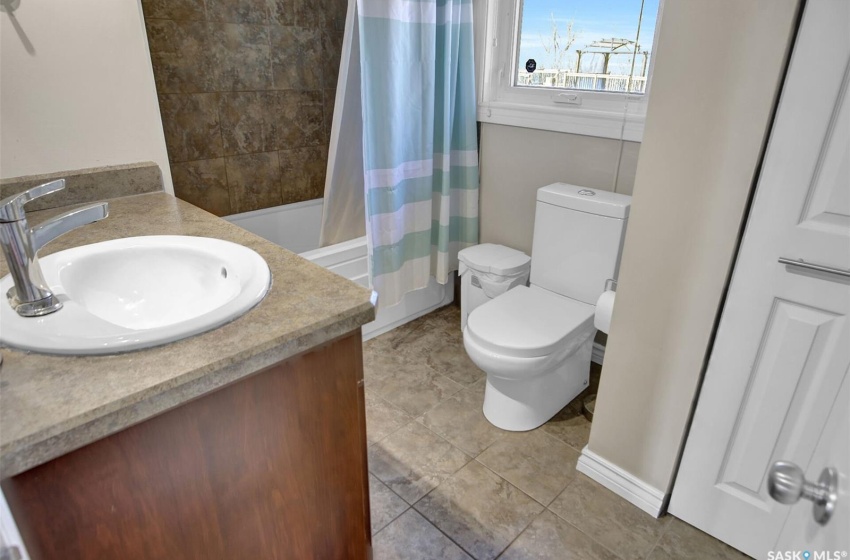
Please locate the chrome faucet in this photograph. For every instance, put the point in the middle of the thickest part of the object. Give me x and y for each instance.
(30, 296)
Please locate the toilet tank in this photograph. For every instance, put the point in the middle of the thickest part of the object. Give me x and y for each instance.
(578, 238)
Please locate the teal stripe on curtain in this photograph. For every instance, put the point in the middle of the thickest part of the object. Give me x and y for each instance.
(460, 229)
(457, 178)
(390, 258)
(385, 200)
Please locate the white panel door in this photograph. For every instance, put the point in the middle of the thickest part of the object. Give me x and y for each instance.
(783, 344)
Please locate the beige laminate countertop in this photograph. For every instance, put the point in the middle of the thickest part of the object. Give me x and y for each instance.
(51, 405)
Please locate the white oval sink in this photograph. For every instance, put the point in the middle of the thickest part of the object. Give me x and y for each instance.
(138, 292)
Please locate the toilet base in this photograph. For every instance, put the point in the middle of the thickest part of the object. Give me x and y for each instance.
(519, 405)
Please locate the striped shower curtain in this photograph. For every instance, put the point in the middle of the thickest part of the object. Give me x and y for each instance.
(420, 141)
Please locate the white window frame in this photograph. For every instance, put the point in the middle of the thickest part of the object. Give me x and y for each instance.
(601, 114)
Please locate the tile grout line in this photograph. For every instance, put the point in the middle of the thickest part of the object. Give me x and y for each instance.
(579, 451)
(474, 455)
(230, 195)
(265, 124)
(434, 525)
(413, 506)
(524, 529)
(551, 435)
(590, 538)
(457, 544)
(471, 458)
(381, 530)
(407, 505)
(661, 536)
(416, 417)
(412, 419)
(497, 475)
(544, 506)
(553, 512)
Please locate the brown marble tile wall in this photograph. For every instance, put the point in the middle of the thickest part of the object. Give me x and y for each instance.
(246, 91)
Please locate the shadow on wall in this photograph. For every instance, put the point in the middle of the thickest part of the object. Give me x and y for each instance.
(246, 91)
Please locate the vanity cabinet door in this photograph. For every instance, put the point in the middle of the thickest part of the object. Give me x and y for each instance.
(272, 466)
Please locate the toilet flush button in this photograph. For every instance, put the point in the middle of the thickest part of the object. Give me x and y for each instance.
(587, 192)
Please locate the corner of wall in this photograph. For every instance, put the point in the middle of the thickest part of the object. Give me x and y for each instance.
(164, 167)
(693, 183)
(632, 489)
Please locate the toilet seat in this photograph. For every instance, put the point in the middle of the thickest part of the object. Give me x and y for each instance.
(529, 322)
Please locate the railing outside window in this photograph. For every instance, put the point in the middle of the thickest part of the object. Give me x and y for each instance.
(584, 81)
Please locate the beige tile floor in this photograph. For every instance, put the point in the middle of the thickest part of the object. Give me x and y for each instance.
(446, 484)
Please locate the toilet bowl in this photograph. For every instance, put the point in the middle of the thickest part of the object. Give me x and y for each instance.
(535, 342)
(535, 347)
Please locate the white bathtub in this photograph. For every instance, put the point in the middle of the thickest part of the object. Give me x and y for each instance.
(296, 227)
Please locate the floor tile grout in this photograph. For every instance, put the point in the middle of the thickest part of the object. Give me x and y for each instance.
(435, 526)
(579, 530)
(559, 439)
(661, 536)
(425, 517)
(471, 458)
(524, 529)
(462, 387)
(499, 476)
(407, 506)
(412, 419)
(381, 530)
(514, 485)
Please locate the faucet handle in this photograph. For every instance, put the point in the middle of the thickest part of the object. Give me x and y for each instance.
(62, 224)
(12, 207)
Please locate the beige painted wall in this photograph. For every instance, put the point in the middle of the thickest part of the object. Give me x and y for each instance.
(717, 73)
(77, 89)
(515, 162)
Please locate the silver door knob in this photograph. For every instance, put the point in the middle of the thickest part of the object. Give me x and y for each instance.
(786, 484)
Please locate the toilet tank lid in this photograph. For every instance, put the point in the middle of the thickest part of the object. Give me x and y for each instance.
(584, 199)
(495, 259)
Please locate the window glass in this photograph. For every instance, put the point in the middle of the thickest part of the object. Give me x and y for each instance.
(586, 44)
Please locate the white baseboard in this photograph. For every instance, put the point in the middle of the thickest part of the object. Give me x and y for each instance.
(598, 353)
(622, 483)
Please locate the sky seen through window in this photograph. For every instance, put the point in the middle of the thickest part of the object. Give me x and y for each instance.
(591, 21)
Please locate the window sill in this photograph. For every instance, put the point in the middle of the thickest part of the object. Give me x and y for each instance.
(573, 120)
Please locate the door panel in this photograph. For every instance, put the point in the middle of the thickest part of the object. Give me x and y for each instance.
(787, 375)
(827, 209)
(782, 349)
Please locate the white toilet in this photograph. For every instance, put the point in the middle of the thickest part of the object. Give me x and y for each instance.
(535, 342)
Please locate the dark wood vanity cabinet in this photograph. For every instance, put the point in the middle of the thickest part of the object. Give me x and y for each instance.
(272, 466)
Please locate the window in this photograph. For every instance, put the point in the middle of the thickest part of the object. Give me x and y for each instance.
(580, 66)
